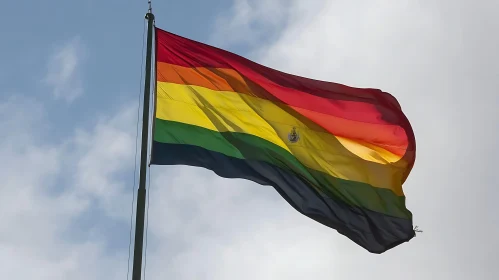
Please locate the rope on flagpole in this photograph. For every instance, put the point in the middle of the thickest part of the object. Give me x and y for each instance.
(136, 152)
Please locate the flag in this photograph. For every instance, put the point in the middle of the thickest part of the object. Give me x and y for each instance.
(337, 154)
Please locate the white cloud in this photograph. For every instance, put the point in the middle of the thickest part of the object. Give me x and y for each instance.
(48, 186)
(203, 226)
(104, 155)
(252, 22)
(63, 70)
(440, 69)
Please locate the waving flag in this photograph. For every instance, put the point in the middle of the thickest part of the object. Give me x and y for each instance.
(337, 154)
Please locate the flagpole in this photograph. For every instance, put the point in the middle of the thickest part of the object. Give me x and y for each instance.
(141, 192)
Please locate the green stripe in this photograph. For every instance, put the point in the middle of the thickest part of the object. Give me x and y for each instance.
(246, 146)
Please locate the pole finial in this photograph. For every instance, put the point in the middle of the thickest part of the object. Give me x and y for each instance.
(149, 15)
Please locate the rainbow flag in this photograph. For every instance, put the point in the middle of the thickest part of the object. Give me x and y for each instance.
(337, 154)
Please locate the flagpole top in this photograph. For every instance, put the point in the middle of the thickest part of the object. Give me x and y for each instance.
(150, 16)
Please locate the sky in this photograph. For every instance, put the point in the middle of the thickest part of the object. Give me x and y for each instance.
(70, 83)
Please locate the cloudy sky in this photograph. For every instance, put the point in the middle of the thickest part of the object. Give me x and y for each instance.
(69, 90)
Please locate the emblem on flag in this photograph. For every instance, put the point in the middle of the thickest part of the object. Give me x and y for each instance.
(293, 136)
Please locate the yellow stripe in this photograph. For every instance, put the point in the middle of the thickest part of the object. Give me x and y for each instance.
(230, 111)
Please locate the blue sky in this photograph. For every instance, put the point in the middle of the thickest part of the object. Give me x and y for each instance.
(108, 36)
(69, 89)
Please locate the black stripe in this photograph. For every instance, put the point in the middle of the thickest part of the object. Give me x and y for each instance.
(372, 230)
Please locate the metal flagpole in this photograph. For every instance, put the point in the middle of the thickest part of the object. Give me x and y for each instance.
(141, 193)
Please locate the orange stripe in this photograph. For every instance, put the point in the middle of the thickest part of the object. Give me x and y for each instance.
(220, 79)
